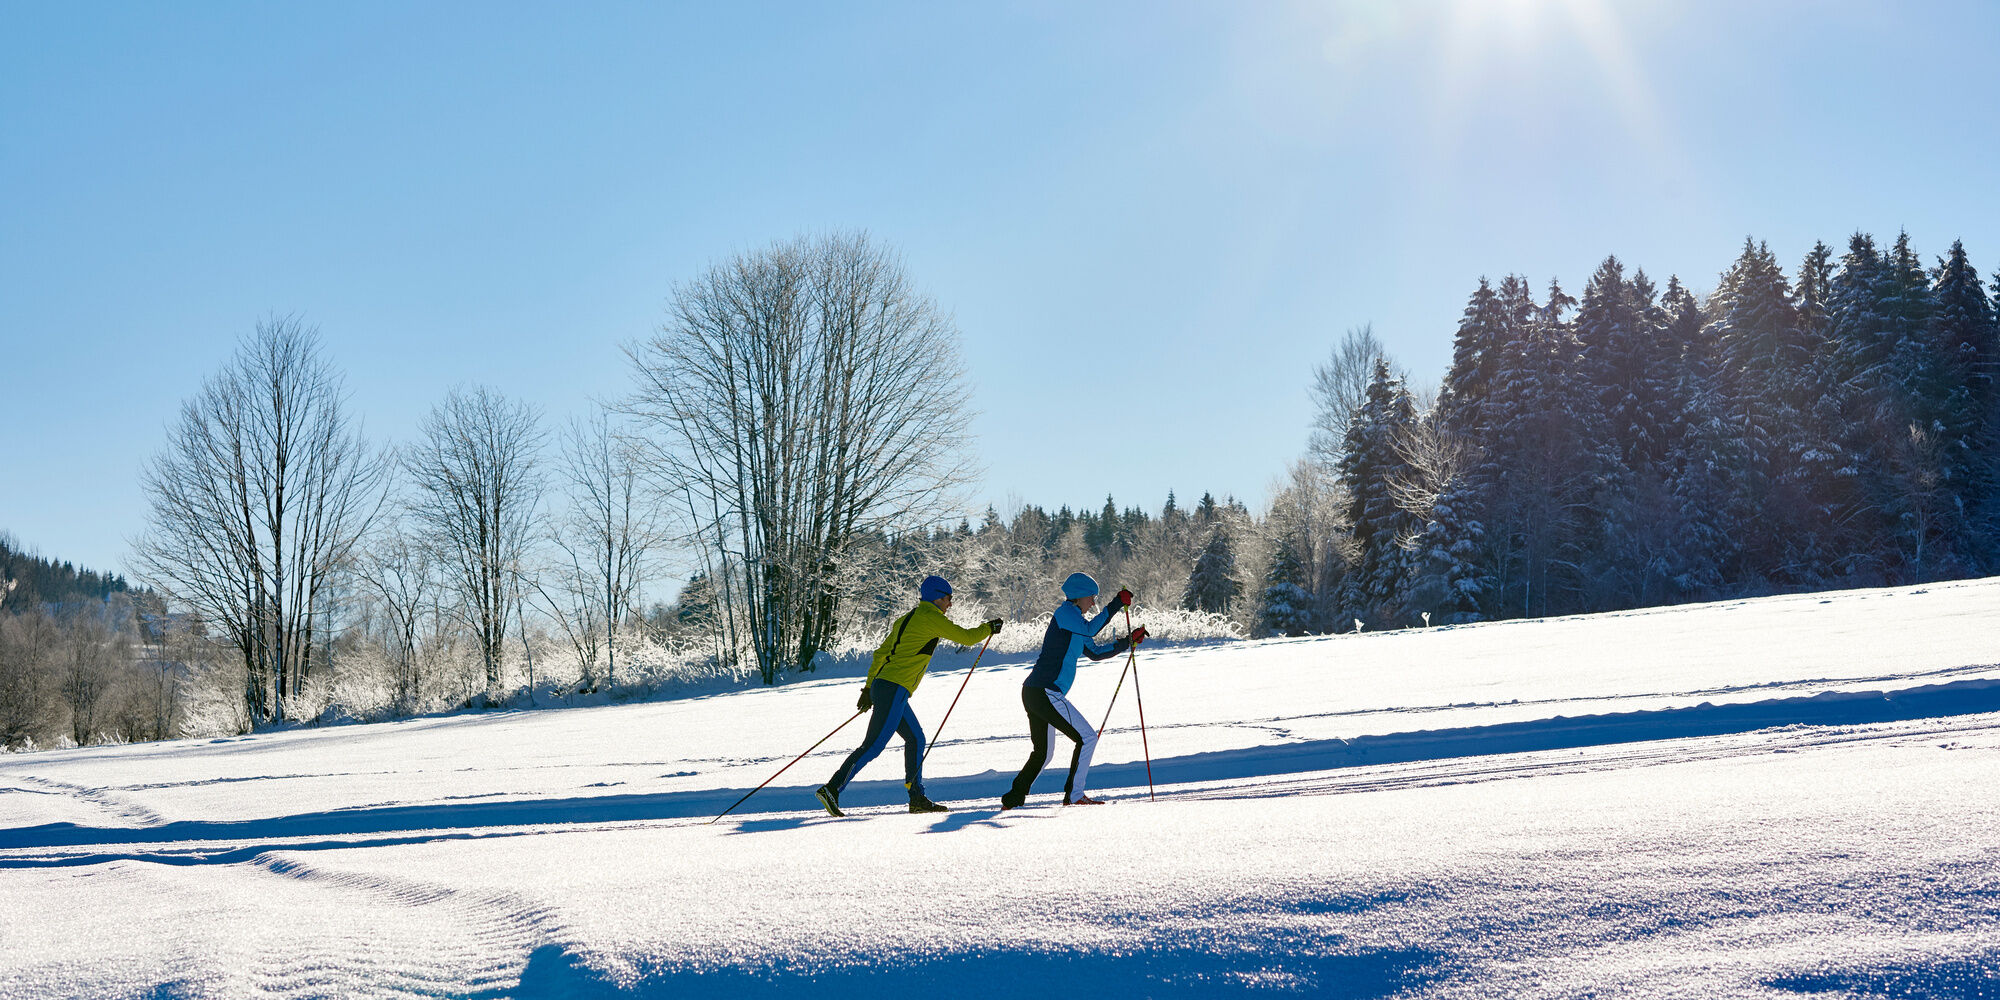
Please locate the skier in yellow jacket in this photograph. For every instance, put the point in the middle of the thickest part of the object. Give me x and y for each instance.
(898, 667)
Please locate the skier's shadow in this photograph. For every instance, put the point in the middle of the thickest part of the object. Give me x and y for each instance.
(773, 824)
(960, 819)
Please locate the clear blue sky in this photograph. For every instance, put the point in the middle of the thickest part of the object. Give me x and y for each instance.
(1150, 219)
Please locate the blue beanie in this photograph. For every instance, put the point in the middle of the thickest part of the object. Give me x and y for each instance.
(1079, 585)
(933, 588)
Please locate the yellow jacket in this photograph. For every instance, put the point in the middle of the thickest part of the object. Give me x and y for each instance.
(906, 652)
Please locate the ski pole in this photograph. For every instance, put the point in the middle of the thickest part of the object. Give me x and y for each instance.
(954, 698)
(787, 767)
(1132, 653)
(1132, 662)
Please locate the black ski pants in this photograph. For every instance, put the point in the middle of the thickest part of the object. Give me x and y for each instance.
(1049, 712)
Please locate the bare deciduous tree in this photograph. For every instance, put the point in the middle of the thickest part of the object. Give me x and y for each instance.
(476, 489)
(802, 394)
(96, 654)
(401, 574)
(1340, 384)
(257, 502)
(604, 535)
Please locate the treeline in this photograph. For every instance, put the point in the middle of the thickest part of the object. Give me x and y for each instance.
(1012, 566)
(1635, 445)
(1642, 445)
(32, 579)
(83, 656)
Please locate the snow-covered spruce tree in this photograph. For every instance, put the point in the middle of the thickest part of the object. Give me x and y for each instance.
(1621, 356)
(1475, 351)
(1703, 450)
(1824, 467)
(1213, 585)
(1544, 460)
(1451, 578)
(1287, 604)
(1963, 334)
(1764, 364)
(1624, 364)
(1922, 502)
(1370, 467)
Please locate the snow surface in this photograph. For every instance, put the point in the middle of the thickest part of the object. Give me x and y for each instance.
(1784, 797)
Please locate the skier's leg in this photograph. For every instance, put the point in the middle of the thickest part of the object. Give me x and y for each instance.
(891, 700)
(1070, 722)
(912, 733)
(1038, 752)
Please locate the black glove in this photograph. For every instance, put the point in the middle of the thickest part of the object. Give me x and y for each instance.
(866, 701)
(995, 623)
(1121, 644)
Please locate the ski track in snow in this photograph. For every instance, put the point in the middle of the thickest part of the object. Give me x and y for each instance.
(119, 808)
(467, 943)
(375, 861)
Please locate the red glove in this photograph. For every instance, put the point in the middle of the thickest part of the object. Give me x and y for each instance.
(1124, 597)
(1138, 635)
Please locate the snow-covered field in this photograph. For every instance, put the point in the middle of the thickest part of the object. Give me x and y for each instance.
(1775, 798)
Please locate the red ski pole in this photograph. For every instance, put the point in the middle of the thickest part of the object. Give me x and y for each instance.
(954, 698)
(1132, 663)
(787, 767)
(1132, 653)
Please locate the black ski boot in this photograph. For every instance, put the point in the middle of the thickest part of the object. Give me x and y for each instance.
(830, 799)
(921, 803)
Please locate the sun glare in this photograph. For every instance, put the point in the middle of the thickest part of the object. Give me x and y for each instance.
(1483, 38)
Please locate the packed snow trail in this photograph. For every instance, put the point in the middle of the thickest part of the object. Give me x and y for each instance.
(1768, 798)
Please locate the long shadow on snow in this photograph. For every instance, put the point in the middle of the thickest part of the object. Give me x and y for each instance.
(1159, 971)
(1832, 708)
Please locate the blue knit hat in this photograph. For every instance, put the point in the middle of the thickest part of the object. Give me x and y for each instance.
(1079, 585)
(933, 588)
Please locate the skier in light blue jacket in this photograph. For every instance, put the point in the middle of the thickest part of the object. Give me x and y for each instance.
(1045, 694)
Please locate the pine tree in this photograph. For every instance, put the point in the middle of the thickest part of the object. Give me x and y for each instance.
(1901, 413)
(1474, 354)
(1206, 511)
(1452, 580)
(1756, 329)
(1213, 585)
(1960, 395)
(1102, 528)
(1287, 605)
(1370, 467)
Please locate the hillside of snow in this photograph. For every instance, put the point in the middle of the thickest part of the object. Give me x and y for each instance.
(1784, 797)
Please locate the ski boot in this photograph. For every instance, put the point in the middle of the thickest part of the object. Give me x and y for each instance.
(921, 803)
(830, 799)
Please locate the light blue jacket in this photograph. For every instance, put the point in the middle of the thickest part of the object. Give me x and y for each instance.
(1070, 634)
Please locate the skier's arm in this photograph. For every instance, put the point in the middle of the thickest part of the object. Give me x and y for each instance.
(1096, 625)
(1098, 651)
(1070, 618)
(945, 628)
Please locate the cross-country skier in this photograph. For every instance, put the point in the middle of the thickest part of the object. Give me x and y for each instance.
(893, 675)
(1044, 694)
